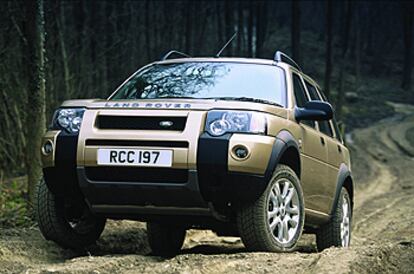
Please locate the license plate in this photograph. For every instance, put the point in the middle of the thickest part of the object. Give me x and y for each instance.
(135, 157)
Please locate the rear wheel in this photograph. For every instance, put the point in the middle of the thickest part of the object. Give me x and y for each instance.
(165, 239)
(275, 221)
(69, 224)
(338, 231)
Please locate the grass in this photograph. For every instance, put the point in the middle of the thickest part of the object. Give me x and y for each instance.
(14, 210)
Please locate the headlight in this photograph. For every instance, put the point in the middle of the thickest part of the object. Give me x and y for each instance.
(69, 119)
(222, 122)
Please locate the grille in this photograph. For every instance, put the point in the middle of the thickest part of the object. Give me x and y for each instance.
(140, 122)
(137, 174)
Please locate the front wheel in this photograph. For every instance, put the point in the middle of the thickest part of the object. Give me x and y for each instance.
(67, 223)
(275, 221)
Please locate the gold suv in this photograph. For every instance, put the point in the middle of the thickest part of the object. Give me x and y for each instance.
(245, 147)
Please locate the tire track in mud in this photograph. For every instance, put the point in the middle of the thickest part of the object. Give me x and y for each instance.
(380, 204)
(383, 229)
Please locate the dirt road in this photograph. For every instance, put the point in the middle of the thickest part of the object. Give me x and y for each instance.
(383, 228)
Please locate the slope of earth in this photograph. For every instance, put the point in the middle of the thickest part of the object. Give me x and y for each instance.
(383, 228)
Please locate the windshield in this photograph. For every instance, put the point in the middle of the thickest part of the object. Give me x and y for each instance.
(203, 80)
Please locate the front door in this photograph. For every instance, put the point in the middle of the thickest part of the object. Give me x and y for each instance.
(314, 156)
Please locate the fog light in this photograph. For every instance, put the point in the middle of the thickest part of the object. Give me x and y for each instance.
(241, 152)
(47, 147)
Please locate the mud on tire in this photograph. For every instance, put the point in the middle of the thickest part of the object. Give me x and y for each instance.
(259, 223)
(330, 234)
(165, 239)
(67, 231)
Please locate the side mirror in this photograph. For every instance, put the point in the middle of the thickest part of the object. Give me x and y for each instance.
(314, 110)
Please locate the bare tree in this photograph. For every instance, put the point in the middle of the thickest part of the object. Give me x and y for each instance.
(220, 33)
(344, 51)
(60, 22)
(357, 47)
(229, 24)
(188, 26)
(408, 13)
(250, 28)
(35, 34)
(295, 35)
(240, 28)
(328, 47)
(261, 26)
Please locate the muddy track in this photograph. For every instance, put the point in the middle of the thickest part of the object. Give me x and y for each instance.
(383, 228)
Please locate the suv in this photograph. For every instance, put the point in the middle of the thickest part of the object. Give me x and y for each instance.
(245, 147)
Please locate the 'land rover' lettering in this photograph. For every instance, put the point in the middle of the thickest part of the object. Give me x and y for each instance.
(147, 105)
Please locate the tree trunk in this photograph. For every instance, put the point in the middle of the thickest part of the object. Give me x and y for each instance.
(229, 25)
(93, 36)
(345, 42)
(357, 48)
(250, 27)
(328, 48)
(261, 27)
(60, 22)
(188, 26)
(295, 35)
(147, 30)
(36, 92)
(220, 35)
(240, 28)
(79, 14)
(408, 13)
(201, 38)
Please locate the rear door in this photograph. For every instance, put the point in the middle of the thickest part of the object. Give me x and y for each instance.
(314, 154)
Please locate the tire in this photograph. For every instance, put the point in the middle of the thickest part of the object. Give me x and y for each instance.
(61, 223)
(274, 222)
(165, 239)
(337, 232)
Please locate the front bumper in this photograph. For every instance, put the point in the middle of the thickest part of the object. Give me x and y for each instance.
(217, 177)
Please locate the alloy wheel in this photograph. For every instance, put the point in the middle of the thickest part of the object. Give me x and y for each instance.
(283, 212)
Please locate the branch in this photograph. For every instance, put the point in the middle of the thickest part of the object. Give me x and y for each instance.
(19, 31)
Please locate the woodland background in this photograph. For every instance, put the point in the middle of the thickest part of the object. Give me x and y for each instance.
(360, 52)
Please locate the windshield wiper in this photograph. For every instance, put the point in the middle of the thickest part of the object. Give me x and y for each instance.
(246, 99)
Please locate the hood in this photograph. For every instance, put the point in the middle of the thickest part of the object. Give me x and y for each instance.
(175, 104)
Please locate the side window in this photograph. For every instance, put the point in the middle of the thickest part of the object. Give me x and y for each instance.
(313, 93)
(335, 124)
(337, 131)
(324, 126)
(300, 96)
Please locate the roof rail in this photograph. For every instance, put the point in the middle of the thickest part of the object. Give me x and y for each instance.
(278, 58)
(171, 52)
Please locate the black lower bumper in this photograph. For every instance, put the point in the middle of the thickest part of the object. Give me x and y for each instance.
(136, 190)
(217, 184)
(172, 194)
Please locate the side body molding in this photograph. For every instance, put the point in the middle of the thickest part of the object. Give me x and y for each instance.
(344, 176)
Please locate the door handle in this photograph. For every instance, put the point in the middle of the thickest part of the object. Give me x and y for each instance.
(322, 141)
